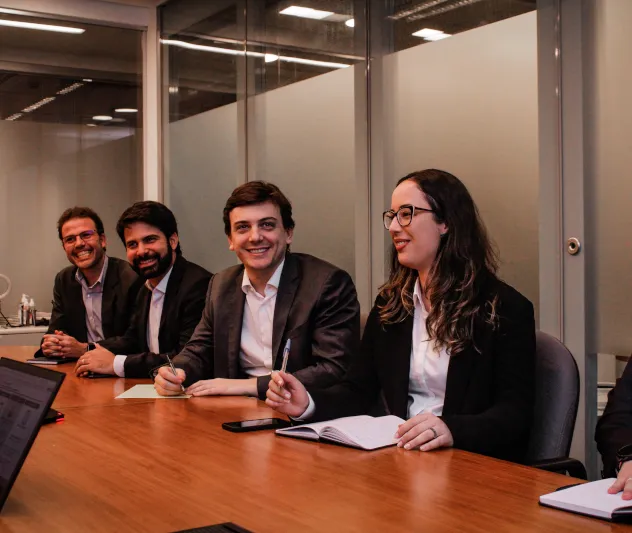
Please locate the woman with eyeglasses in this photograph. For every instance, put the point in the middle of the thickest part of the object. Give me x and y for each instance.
(448, 346)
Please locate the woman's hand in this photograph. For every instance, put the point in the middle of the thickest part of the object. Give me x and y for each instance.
(426, 432)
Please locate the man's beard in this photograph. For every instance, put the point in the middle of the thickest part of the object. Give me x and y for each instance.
(158, 269)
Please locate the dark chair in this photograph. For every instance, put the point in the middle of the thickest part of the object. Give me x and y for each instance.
(556, 401)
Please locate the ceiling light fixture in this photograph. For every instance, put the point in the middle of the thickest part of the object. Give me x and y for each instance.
(431, 35)
(37, 105)
(70, 88)
(102, 118)
(438, 37)
(87, 80)
(350, 23)
(306, 12)
(269, 58)
(232, 52)
(126, 110)
(43, 27)
(91, 125)
(15, 116)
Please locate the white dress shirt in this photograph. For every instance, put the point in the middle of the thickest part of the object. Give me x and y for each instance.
(93, 302)
(428, 368)
(255, 353)
(153, 324)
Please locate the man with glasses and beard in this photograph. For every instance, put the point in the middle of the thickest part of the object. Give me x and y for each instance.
(169, 306)
(92, 299)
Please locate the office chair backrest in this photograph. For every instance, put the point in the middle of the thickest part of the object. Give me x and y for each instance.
(556, 400)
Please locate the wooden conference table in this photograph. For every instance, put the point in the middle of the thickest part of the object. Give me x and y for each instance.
(166, 465)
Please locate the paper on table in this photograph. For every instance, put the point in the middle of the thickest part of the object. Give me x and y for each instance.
(146, 391)
(588, 498)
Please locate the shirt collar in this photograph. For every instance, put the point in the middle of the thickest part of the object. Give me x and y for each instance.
(82, 279)
(274, 281)
(417, 299)
(162, 286)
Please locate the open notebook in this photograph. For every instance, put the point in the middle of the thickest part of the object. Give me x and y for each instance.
(365, 432)
(591, 499)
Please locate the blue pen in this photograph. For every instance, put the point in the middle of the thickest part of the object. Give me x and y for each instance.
(286, 354)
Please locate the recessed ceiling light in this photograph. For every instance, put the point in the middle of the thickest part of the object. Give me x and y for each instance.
(15, 116)
(126, 110)
(91, 125)
(102, 118)
(306, 12)
(43, 27)
(70, 88)
(350, 23)
(438, 37)
(87, 80)
(427, 32)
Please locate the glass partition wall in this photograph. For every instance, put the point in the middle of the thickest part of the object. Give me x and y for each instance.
(70, 134)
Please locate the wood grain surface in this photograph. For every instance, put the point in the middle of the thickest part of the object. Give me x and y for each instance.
(166, 465)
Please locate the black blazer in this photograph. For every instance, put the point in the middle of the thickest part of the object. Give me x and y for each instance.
(120, 287)
(614, 428)
(316, 306)
(489, 396)
(181, 311)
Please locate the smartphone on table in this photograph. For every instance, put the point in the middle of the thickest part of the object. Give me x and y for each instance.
(255, 425)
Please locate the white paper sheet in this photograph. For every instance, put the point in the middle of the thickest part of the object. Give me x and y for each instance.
(146, 391)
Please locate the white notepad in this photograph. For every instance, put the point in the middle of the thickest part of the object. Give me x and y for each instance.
(365, 432)
(590, 499)
(146, 391)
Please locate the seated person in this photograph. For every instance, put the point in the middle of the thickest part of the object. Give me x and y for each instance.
(168, 307)
(614, 435)
(253, 309)
(94, 298)
(447, 346)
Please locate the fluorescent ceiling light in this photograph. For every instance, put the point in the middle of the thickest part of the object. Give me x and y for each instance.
(36, 26)
(102, 118)
(15, 116)
(266, 57)
(306, 12)
(87, 80)
(438, 37)
(70, 88)
(126, 110)
(350, 23)
(37, 105)
(427, 32)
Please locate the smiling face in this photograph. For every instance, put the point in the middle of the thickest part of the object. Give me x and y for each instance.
(87, 250)
(417, 243)
(258, 237)
(149, 251)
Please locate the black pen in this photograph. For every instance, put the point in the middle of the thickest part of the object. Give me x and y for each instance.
(173, 369)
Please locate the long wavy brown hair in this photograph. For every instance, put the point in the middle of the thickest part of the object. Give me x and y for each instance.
(460, 285)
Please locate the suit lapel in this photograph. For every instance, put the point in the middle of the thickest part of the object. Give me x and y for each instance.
(108, 301)
(459, 373)
(76, 302)
(399, 351)
(169, 307)
(285, 297)
(235, 301)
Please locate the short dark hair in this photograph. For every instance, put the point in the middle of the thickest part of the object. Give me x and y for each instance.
(152, 213)
(258, 192)
(80, 212)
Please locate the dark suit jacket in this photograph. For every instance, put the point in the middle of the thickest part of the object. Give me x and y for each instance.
(316, 306)
(181, 311)
(489, 396)
(120, 287)
(614, 428)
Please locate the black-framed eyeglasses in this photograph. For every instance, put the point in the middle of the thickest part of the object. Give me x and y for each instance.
(69, 240)
(404, 215)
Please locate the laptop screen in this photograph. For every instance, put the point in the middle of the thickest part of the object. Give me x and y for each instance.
(26, 394)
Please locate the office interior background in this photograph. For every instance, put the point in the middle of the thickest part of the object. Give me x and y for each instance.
(181, 101)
